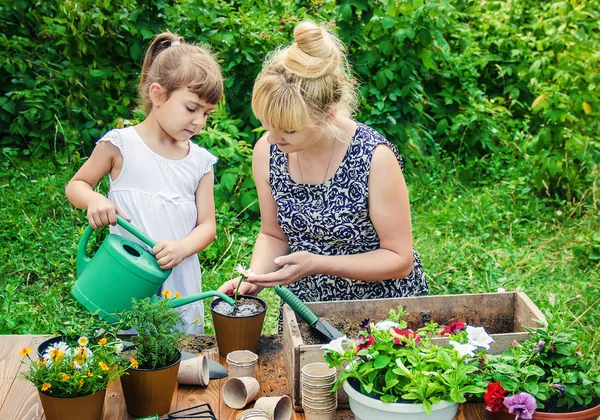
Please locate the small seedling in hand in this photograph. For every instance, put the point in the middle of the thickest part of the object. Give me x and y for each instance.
(245, 272)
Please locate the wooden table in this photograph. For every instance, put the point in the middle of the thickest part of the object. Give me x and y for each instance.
(19, 399)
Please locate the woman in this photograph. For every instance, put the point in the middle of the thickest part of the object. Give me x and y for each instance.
(333, 201)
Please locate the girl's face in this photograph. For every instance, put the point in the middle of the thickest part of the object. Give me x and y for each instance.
(182, 115)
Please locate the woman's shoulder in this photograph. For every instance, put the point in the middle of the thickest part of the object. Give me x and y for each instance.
(371, 139)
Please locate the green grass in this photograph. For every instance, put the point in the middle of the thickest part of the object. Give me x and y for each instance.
(477, 227)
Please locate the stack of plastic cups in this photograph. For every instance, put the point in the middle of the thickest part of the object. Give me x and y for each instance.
(318, 402)
(241, 363)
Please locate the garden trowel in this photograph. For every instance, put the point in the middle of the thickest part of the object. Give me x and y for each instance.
(306, 314)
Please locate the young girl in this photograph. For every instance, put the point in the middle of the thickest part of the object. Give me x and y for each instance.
(160, 180)
(335, 213)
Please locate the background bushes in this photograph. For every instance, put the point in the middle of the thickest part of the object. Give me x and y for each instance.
(466, 78)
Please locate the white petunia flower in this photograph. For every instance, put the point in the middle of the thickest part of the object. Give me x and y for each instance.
(246, 272)
(501, 290)
(386, 325)
(463, 349)
(477, 336)
(335, 345)
(119, 348)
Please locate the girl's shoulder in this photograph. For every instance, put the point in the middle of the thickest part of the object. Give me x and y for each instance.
(202, 157)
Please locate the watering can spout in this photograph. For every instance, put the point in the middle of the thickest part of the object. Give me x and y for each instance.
(184, 300)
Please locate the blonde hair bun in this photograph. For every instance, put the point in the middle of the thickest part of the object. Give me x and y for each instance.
(315, 52)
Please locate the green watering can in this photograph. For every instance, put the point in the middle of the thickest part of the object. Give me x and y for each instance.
(120, 271)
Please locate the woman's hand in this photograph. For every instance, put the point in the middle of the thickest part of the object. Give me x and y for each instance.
(101, 212)
(170, 254)
(245, 289)
(295, 266)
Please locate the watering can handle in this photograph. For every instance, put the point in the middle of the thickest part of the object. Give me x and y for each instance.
(136, 232)
(83, 259)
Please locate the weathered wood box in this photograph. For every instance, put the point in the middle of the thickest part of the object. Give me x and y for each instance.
(502, 314)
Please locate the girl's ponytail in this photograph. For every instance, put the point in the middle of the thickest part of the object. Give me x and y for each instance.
(160, 43)
(174, 65)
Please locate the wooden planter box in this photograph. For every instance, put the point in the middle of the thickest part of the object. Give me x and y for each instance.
(502, 314)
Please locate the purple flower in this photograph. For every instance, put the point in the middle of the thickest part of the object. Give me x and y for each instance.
(539, 346)
(366, 325)
(560, 388)
(523, 405)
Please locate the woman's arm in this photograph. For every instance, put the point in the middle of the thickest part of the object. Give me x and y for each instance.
(271, 241)
(171, 253)
(80, 190)
(389, 210)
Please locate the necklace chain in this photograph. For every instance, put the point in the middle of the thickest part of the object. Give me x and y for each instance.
(326, 170)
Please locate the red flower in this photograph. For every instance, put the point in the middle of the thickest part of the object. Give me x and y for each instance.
(397, 333)
(494, 397)
(365, 342)
(453, 327)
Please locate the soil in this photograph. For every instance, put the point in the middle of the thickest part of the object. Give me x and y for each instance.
(198, 343)
(350, 327)
(550, 406)
(244, 307)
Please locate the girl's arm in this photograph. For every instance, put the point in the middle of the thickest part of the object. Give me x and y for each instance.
(80, 190)
(389, 210)
(271, 241)
(170, 253)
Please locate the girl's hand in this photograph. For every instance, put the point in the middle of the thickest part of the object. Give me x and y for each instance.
(245, 289)
(170, 254)
(295, 266)
(101, 212)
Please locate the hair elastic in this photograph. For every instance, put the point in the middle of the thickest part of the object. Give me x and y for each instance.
(175, 43)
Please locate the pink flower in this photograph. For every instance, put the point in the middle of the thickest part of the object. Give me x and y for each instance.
(453, 327)
(523, 405)
(365, 342)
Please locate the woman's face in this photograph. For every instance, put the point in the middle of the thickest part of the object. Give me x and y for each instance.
(295, 141)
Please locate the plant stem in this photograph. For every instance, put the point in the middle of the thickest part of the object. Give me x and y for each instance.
(235, 296)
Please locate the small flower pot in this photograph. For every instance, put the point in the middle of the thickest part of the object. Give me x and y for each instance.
(365, 407)
(88, 407)
(278, 408)
(238, 392)
(150, 391)
(589, 414)
(241, 363)
(194, 371)
(238, 332)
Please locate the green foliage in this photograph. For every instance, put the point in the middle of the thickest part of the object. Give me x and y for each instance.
(392, 364)
(549, 361)
(158, 340)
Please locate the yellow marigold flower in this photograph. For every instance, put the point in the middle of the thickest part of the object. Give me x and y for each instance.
(134, 363)
(56, 355)
(83, 341)
(89, 373)
(103, 366)
(46, 386)
(177, 294)
(24, 352)
(196, 320)
(166, 293)
(42, 362)
(65, 377)
(102, 341)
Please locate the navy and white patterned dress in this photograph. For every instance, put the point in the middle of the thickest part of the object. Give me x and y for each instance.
(333, 219)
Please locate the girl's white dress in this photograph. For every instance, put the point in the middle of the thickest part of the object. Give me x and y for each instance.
(158, 195)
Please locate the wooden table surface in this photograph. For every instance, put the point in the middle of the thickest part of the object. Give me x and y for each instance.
(19, 399)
